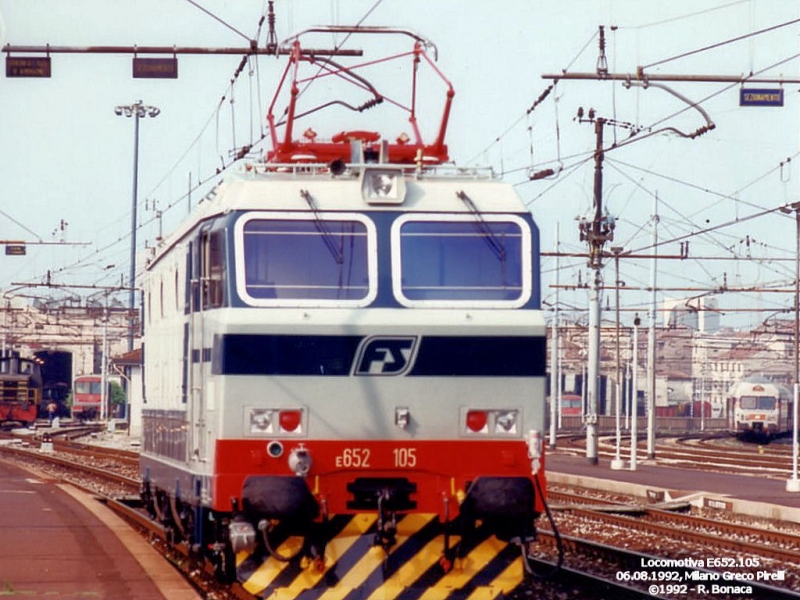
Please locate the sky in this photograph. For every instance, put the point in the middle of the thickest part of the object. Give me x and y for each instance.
(66, 159)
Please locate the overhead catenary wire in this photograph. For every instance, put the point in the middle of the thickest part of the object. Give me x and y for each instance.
(513, 125)
(726, 88)
(19, 224)
(722, 43)
(642, 137)
(706, 231)
(688, 220)
(218, 19)
(211, 174)
(228, 95)
(692, 14)
(734, 196)
(213, 120)
(649, 130)
(213, 117)
(644, 132)
(719, 286)
(544, 94)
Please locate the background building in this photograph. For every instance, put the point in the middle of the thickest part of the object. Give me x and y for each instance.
(701, 314)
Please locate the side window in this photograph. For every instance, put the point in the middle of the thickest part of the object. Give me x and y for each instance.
(177, 295)
(213, 262)
(191, 286)
(205, 272)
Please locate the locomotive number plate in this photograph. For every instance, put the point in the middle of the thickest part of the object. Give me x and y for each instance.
(363, 458)
(357, 458)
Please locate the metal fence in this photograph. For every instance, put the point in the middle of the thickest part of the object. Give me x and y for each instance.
(663, 424)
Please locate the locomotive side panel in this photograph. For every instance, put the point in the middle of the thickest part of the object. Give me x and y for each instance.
(174, 326)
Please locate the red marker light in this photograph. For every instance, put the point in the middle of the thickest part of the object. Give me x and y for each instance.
(290, 420)
(476, 420)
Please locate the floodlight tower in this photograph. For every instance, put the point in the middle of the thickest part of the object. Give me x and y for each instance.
(137, 110)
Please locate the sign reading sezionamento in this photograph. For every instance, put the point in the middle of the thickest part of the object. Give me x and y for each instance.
(760, 97)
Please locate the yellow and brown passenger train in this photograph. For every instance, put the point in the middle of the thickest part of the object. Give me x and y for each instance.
(20, 388)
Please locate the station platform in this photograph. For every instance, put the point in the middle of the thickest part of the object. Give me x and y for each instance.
(654, 481)
(58, 542)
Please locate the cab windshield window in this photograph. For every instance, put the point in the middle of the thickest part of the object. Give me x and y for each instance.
(461, 260)
(766, 403)
(87, 387)
(757, 402)
(747, 402)
(305, 259)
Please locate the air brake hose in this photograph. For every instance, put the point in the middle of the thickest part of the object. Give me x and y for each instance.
(559, 544)
(264, 526)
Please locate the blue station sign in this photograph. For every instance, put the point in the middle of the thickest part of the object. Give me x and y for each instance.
(760, 97)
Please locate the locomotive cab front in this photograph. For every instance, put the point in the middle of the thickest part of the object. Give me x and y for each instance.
(345, 348)
(356, 356)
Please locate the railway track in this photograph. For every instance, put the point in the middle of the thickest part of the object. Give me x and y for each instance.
(102, 471)
(76, 463)
(603, 555)
(710, 452)
(101, 482)
(651, 576)
(713, 550)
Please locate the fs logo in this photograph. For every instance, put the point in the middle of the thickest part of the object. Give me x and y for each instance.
(385, 356)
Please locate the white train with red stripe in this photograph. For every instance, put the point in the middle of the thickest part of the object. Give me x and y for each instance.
(344, 348)
(759, 409)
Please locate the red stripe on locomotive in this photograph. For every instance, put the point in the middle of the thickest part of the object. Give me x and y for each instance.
(439, 468)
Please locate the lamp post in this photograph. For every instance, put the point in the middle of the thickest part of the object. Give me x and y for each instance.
(617, 463)
(137, 110)
(634, 402)
(793, 484)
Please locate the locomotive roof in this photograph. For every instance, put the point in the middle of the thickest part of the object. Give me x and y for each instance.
(289, 188)
(747, 383)
(435, 190)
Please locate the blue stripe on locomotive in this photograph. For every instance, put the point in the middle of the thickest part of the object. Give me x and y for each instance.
(334, 355)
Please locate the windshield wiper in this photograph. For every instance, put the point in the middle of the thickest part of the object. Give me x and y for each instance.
(489, 236)
(319, 223)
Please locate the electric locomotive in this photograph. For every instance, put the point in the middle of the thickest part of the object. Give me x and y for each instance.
(344, 368)
(20, 388)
